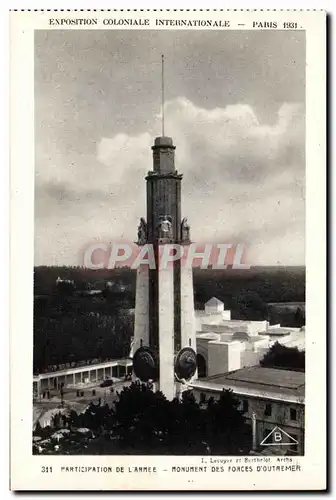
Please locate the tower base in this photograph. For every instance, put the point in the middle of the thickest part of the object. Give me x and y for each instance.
(166, 332)
(169, 343)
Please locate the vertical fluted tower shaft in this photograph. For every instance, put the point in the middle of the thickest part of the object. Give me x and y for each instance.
(163, 292)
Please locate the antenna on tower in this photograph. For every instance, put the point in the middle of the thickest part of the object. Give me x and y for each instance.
(162, 92)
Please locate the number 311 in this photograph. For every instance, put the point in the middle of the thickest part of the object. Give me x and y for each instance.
(46, 469)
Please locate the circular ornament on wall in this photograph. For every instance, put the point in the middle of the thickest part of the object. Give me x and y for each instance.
(185, 363)
(145, 364)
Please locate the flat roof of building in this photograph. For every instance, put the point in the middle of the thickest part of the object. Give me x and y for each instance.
(208, 335)
(277, 331)
(83, 368)
(256, 381)
(257, 338)
(271, 377)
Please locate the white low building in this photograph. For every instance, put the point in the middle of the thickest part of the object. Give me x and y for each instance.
(224, 344)
(80, 376)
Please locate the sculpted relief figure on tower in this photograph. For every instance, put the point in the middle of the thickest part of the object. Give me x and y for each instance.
(165, 228)
(185, 231)
(142, 232)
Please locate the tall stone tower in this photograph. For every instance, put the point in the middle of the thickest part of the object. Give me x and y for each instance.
(164, 338)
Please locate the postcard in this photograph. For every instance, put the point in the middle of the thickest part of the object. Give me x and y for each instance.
(168, 250)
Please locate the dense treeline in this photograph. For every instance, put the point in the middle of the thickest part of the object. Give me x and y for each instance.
(45, 277)
(70, 329)
(70, 326)
(144, 422)
(288, 358)
(267, 284)
(264, 284)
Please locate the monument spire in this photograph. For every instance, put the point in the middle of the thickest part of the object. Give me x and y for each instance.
(164, 331)
(162, 93)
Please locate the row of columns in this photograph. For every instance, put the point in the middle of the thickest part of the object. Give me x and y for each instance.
(55, 381)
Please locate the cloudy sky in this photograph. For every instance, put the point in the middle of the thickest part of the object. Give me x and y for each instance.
(235, 110)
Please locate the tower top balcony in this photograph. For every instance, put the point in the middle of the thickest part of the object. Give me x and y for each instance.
(163, 142)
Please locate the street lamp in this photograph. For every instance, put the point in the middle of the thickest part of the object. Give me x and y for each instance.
(254, 431)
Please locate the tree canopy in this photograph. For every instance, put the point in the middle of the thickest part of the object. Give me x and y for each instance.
(144, 422)
(280, 356)
(73, 329)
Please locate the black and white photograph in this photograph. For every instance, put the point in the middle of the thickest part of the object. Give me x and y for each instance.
(135, 132)
(177, 226)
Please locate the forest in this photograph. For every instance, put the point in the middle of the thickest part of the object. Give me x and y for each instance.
(270, 284)
(88, 316)
(280, 356)
(70, 330)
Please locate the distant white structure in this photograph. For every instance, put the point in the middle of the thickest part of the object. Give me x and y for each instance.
(224, 345)
(68, 282)
(214, 307)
